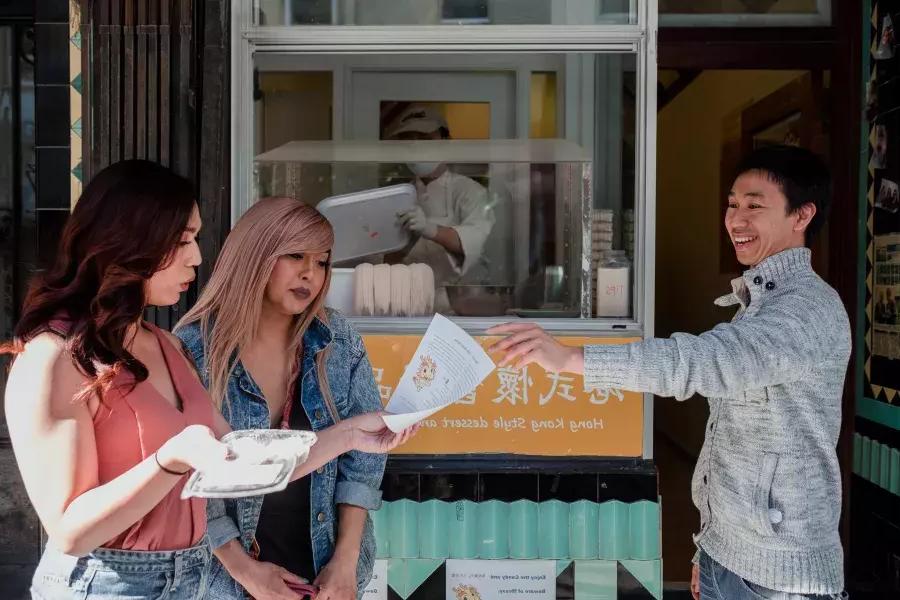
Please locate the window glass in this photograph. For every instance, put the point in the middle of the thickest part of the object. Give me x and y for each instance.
(518, 200)
(443, 12)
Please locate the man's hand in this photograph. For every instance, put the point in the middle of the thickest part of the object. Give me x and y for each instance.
(266, 581)
(337, 580)
(415, 221)
(527, 343)
(695, 582)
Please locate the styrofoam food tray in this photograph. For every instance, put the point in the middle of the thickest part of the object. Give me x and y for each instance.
(261, 462)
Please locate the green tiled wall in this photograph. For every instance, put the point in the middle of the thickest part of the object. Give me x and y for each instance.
(582, 530)
(877, 463)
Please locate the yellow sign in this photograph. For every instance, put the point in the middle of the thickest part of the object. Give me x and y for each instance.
(525, 411)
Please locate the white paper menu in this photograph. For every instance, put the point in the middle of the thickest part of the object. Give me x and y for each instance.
(447, 365)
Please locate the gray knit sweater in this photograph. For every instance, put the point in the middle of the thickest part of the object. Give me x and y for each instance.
(767, 482)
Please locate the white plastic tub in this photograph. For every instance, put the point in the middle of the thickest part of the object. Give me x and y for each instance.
(340, 293)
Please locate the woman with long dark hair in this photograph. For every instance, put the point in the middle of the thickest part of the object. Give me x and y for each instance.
(105, 412)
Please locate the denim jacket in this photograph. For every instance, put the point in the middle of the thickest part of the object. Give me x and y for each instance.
(354, 478)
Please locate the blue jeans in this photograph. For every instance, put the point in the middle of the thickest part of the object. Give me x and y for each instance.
(123, 575)
(718, 583)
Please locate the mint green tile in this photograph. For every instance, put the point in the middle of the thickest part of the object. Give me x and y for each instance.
(596, 580)
(403, 534)
(584, 530)
(406, 575)
(77, 83)
(523, 529)
(78, 172)
(613, 529)
(648, 572)
(884, 480)
(493, 525)
(562, 565)
(76, 40)
(866, 457)
(554, 529)
(857, 453)
(643, 526)
(76, 127)
(875, 463)
(464, 537)
(434, 525)
(381, 527)
(895, 471)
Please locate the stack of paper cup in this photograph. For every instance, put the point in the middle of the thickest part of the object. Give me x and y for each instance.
(393, 290)
(628, 233)
(601, 238)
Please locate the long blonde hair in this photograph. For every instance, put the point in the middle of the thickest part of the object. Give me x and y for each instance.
(230, 306)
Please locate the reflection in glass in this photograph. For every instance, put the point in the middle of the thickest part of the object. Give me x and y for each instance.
(8, 176)
(701, 7)
(513, 213)
(744, 13)
(17, 216)
(444, 12)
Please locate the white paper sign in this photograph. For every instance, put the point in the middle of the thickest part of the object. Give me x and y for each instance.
(378, 587)
(501, 579)
(447, 365)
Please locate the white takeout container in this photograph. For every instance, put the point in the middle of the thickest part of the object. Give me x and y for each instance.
(261, 462)
(366, 223)
(340, 291)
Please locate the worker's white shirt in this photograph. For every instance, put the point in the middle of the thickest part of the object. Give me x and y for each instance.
(455, 201)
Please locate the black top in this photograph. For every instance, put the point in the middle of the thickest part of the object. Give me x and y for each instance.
(283, 532)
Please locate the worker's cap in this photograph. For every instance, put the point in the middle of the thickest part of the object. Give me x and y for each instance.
(417, 119)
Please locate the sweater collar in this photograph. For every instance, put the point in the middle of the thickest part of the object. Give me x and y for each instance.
(780, 267)
(768, 275)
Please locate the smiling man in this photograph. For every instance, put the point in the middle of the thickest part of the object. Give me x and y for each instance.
(767, 482)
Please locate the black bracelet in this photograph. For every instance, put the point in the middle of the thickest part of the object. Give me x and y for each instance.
(169, 471)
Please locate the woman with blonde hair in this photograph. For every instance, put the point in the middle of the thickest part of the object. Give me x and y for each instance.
(272, 355)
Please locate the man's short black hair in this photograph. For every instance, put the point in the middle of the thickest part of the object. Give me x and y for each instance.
(802, 176)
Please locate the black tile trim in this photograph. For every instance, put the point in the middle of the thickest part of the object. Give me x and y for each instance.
(51, 53)
(51, 11)
(53, 189)
(52, 126)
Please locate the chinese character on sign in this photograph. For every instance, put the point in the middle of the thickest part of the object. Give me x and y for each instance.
(384, 391)
(559, 385)
(601, 395)
(514, 385)
(468, 398)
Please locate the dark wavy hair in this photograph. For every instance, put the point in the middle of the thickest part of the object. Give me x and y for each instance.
(124, 228)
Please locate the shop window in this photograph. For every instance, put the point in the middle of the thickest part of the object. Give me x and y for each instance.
(526, 194)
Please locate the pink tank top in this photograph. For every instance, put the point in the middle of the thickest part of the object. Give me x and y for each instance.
(129, 427)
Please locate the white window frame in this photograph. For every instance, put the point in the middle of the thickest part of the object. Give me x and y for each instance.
(638, 38)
